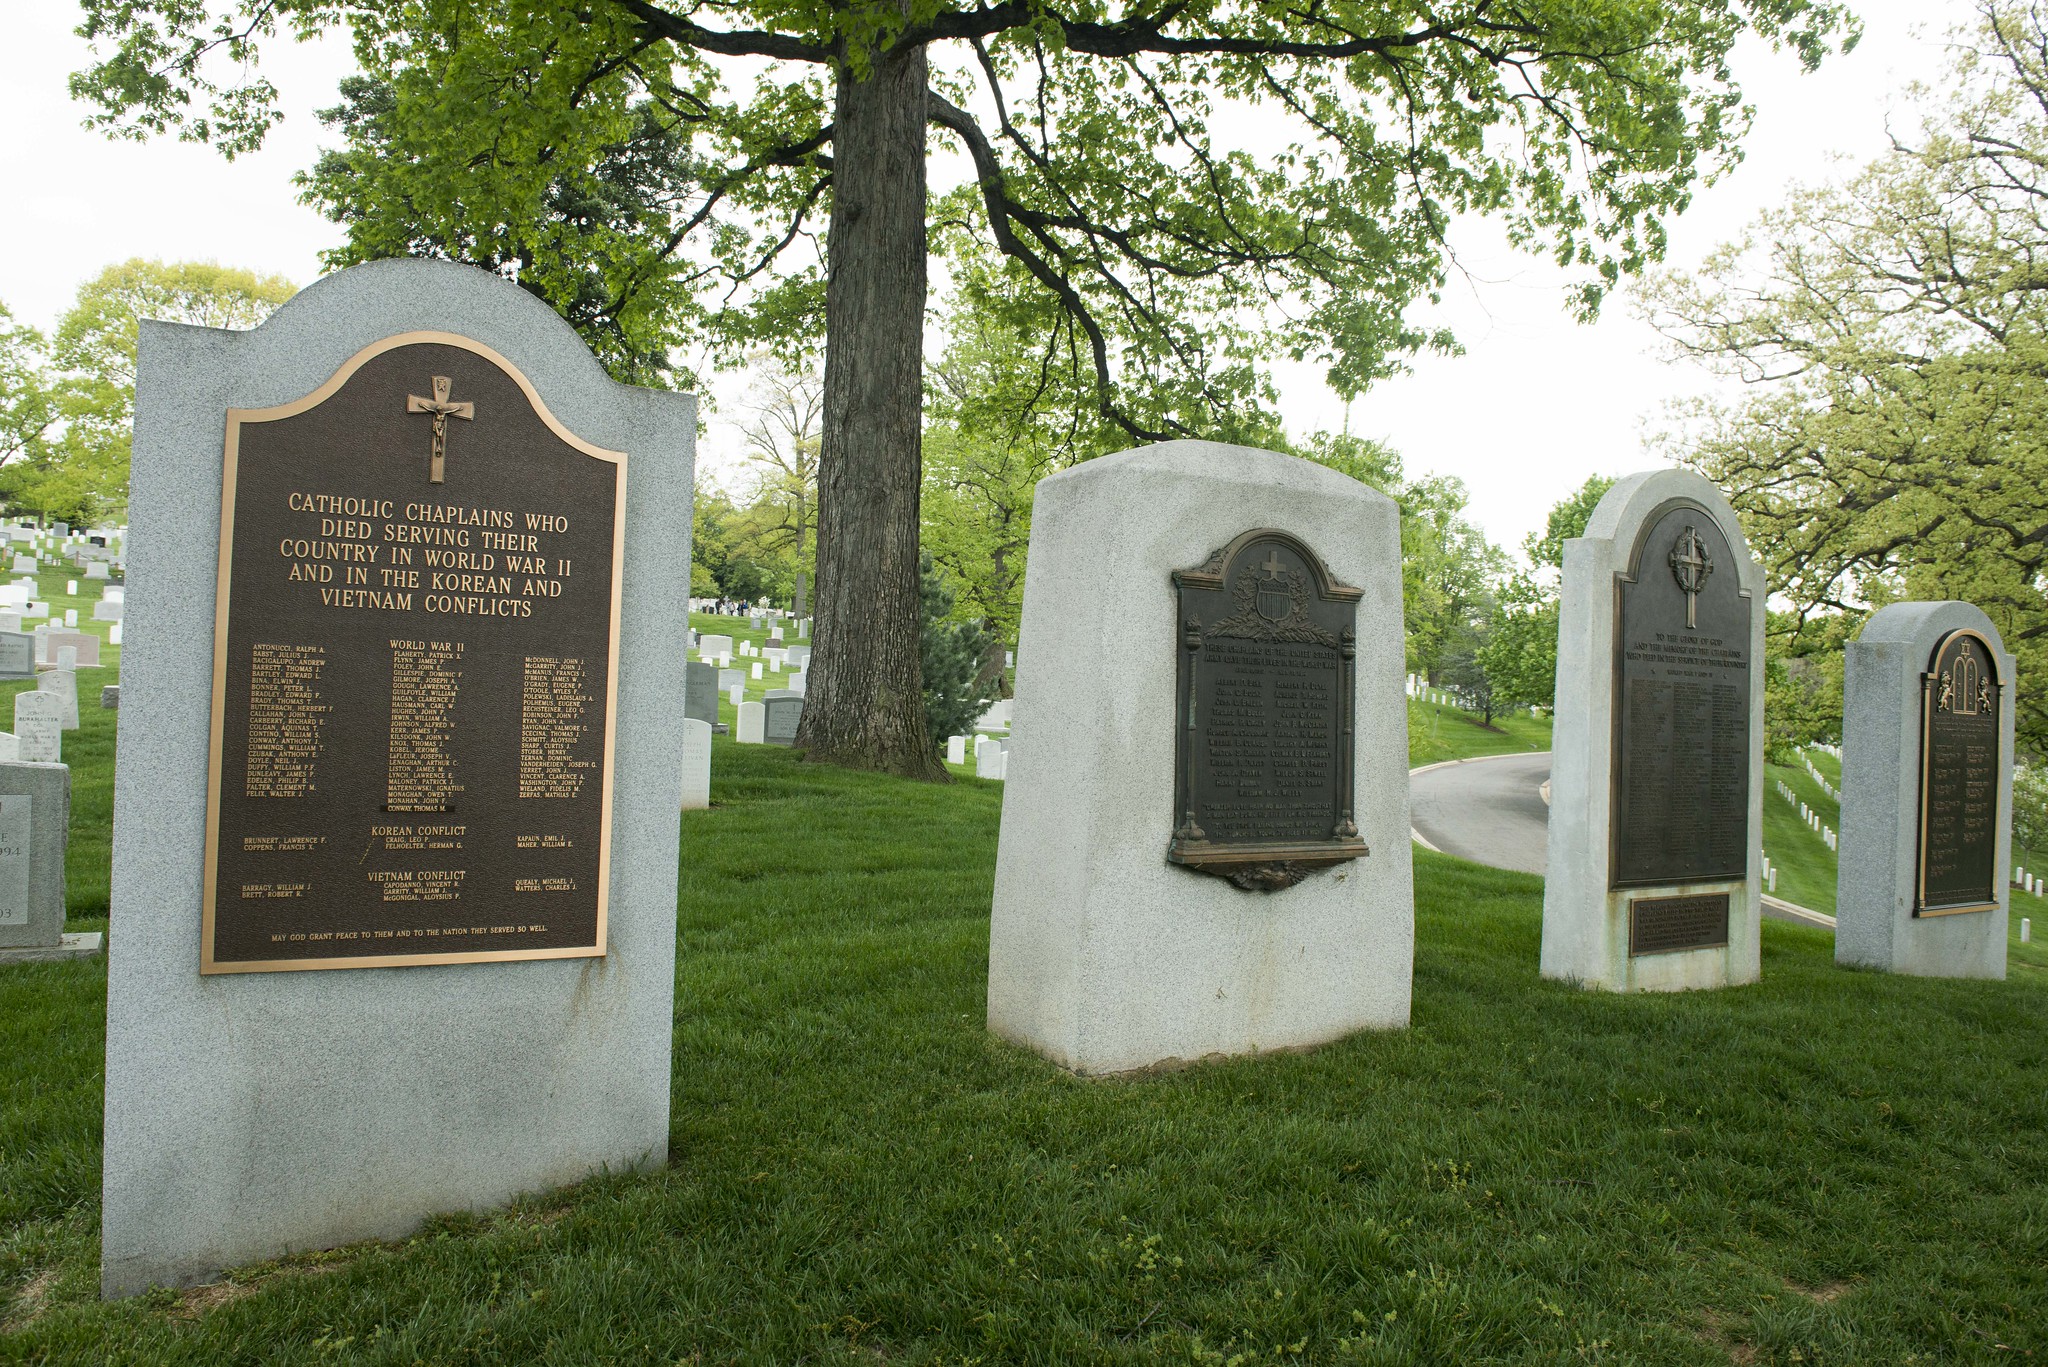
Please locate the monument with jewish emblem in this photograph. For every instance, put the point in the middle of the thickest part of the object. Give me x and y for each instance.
(1655, 817)
(386, 717)
(1927, 742)
(1219, 862)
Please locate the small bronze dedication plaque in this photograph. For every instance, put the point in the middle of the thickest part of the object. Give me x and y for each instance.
(1263, 740)
(415, 665)
(1959, 778)
(1665, 925)
(1681, 706)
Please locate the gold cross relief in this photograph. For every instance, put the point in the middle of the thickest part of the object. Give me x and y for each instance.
(442, 411)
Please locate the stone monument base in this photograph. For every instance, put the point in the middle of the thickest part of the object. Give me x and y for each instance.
(80, 945)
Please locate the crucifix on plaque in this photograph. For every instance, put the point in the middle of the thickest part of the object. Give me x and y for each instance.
(442, 411)
(1690, 566)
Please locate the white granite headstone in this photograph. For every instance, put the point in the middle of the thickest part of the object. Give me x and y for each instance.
(1656, 786)
(62, 684)
(1927, 756)
(39, 727)
(696, 764)
(753, 722)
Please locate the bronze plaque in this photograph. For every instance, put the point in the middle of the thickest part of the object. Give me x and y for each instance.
(1681, 706)
(1263, 734)
(1959, 778)
(1666, 925)
(415, 671)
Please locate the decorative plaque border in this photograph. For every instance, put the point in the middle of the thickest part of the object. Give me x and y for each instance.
(1292, 616)
(1930, 700)
(224, 578)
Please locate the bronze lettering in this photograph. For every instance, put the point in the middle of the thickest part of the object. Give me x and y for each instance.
(412, 717)
(1668, 925)
(1263, 731)
(1681, 707)
(1959, 777)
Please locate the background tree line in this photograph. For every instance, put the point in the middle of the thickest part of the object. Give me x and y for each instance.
(67, 400)
(1893, 334)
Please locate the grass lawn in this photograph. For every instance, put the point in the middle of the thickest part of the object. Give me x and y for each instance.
(1437, 733)
(1830, 1167)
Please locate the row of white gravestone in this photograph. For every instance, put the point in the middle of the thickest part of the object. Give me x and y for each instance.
(35, 812)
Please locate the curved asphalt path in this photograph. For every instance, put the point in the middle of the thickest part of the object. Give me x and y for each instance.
(1489, 810)
(1492, 810)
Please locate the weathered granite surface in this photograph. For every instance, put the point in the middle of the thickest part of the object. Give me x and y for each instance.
(1103, 956)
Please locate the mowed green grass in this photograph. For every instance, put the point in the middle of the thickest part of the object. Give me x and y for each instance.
(1829, 1167)
(1437, 733)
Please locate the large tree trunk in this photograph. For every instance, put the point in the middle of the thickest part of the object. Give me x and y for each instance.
(865, 704)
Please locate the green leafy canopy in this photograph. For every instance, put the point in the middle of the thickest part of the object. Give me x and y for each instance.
(1895, 331)
(1182, 193)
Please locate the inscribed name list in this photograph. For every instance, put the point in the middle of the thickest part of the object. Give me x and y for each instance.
(1263, 752)
(1681, 753)
(414, 682)
(1959, 799)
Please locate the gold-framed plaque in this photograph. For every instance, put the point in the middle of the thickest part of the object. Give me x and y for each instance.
(415, 672)
(1960, 694)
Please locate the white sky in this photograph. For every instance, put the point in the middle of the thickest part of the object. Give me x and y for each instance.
(1535, 405)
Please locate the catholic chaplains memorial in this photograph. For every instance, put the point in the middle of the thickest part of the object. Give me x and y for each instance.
(1657, 754)
(461, 617)
(385, 719)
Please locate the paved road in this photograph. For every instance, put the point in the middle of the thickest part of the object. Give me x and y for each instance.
(1490, 811)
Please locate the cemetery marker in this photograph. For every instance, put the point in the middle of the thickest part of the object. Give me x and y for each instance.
(378, 722)
(1184, 873)
(1927, 742)
(1655, 874)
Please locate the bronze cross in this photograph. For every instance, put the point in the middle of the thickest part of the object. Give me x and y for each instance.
(442, 411)
(1690, 566)
(1272, 567)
